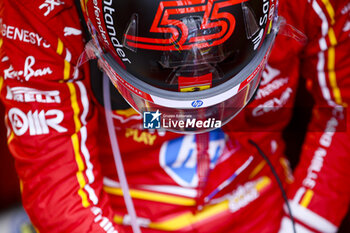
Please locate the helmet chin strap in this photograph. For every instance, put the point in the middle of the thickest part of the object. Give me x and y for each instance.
(117, 157)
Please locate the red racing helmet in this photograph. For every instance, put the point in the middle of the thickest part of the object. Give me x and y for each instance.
(195, 61)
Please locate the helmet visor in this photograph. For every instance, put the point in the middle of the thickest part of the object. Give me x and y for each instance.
(189, 112)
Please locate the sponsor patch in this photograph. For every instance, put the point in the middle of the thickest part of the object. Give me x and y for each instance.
(178, 157)
(28, 95)
(26, 36)
(28, 70)
(37, 122)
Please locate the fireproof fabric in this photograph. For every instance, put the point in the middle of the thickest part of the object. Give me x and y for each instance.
(58, 136)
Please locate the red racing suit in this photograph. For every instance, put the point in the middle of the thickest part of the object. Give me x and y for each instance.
(58, 135)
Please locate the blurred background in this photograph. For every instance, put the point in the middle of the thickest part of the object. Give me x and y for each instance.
(13, 218)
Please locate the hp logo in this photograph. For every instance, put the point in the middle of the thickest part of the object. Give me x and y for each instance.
(197, 103)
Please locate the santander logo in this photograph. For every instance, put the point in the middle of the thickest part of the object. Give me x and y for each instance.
(28, 71)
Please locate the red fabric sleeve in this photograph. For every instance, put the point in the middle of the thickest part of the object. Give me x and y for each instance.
(320, 195)
(51, 117)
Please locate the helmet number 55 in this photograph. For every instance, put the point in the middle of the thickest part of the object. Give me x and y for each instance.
(165, 23)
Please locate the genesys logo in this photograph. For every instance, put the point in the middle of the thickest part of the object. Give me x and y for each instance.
(23, 35)
(27, 72)
(216, 26)
(28, 95)
(37, 122)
